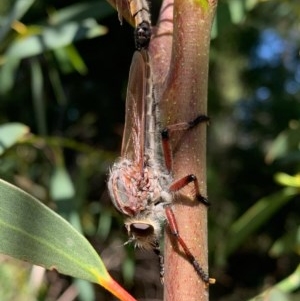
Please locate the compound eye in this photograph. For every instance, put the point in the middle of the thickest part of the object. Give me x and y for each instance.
(140, 229)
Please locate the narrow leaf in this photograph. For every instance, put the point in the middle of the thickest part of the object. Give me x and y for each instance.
(8, 74)
(280, 290)
(289, 242)
(61, 186)
(37, 87)
(19, 8)
(31, 232)
(285, 144)
(69, 60)
(237, 11)
(287, 180)
(81, 11)
(51, 38)
(10, 133)
(256, 216)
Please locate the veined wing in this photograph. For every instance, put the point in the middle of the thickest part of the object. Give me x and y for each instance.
(123, 8)
(134, 131)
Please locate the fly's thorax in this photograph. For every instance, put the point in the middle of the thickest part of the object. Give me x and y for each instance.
(155, 161)
(134, 191)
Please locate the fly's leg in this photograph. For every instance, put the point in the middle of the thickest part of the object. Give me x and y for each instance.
(165, 134)
(156, 250)
(183, 126)
(174, 231)
(177, 185)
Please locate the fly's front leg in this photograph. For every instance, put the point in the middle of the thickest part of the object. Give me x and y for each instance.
(191, 258)
(179, 184)
(165, 134)
(156, 250)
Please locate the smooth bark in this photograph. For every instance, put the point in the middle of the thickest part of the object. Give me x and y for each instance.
(182, 90)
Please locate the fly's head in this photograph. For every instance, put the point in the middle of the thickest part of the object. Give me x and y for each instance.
(143, 233)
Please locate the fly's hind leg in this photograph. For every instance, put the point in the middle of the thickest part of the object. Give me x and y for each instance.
(191, 258)
(156, 249)
(179, 184)
(167, 152)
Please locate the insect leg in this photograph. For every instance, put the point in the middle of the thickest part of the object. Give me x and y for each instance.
(183, 126)
(174, 231)
(179, 184)
(165, 134)
(156, 250)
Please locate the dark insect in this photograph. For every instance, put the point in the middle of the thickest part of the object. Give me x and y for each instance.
(140, 11)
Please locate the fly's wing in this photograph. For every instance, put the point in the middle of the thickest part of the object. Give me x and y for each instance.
(123, 9)
(134, 130)
(134, 11)
(140, 11)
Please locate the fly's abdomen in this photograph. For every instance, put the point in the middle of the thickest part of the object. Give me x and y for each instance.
(131, 191)
(124, 185)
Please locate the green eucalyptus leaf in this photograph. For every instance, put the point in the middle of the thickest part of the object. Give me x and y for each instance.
(61, 186)
(20, 7)
(32, 232)
(289, 242)
(237, 10)
(8, 75)
(69, 60)
(37, 87)
(11, 133)
(49, 38)
(286, 145)
(281, 291)
(287, 180)
(85, 289)
(81, 11)
(272, 294)
(256, 216)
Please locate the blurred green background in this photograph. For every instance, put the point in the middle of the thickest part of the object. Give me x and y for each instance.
(63, 73)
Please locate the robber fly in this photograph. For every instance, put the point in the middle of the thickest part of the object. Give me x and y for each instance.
(140, 11)
(140, 186)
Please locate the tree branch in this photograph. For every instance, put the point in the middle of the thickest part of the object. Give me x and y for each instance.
(182, 90)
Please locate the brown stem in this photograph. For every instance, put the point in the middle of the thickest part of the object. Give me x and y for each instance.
(184, 97)
(160, 47)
